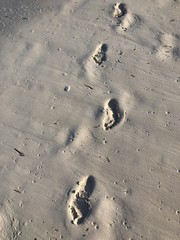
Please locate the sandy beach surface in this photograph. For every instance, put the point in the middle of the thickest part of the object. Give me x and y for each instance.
(89, 120)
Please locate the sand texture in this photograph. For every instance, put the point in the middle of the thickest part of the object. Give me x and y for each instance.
(90, 120)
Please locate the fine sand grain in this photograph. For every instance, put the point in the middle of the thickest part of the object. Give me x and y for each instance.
(90, 120)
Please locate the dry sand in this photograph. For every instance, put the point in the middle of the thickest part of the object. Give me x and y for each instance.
(90, 120)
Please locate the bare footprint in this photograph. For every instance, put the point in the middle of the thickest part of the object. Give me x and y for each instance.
(95, 59)
(125, 18)
(119, 10)
(79, 203)
(9, 225)
(113, 114)
(99, 55)
(166, 50)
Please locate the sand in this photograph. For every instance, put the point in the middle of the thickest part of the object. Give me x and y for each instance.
(90, 120)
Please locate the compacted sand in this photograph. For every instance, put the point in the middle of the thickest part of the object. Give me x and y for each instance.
(90, 120)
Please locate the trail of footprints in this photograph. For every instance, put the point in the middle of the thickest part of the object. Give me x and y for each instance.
(79, 203)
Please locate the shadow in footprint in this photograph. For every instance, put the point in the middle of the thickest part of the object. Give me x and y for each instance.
(70, 137)
(117, 113)
(98, 112)
(104, 47)
(90, 185)
(176, 52)
(123, 8)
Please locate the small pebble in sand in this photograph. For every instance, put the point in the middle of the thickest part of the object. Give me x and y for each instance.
(126, 191)
(67, 88)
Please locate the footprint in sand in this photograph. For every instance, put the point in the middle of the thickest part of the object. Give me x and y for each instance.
(119, 10)
(167, 49)
(9, 226)
(99, 55)
(113, 114)
(96, 58)
(79, 205)
(125, 18)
